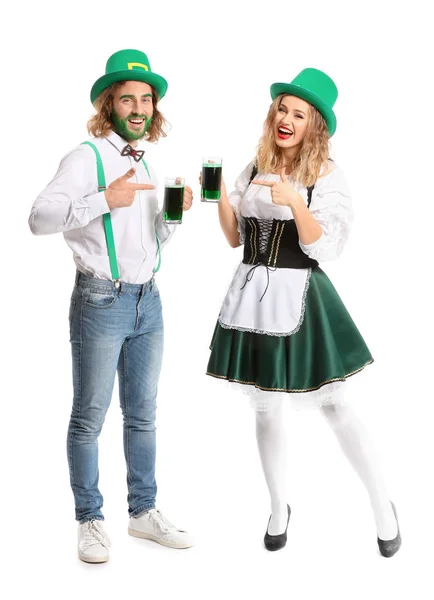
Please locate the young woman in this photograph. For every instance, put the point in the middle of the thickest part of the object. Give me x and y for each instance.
(283, 333)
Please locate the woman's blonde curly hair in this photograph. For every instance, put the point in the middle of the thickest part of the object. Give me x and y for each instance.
(100, 124)
(313, 155)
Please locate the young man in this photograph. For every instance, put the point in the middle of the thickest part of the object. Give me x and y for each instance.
(103, 200)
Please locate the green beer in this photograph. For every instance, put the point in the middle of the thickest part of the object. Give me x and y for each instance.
(211, 179)
(173, 200)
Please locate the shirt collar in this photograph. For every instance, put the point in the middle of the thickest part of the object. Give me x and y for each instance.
(119, 141)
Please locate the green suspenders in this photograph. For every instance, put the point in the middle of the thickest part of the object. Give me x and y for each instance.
(108, 221)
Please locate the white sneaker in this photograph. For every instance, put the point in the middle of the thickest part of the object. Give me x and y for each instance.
(93, 542)
(153, 526)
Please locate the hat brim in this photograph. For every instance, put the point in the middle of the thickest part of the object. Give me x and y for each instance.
(154, 80)
(295, 90)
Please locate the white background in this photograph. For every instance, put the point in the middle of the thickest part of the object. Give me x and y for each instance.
(220, 59)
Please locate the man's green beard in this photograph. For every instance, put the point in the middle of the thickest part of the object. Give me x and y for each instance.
(121, 126)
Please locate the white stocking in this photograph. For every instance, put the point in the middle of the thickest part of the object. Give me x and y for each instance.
(354, 441)
(270, 435)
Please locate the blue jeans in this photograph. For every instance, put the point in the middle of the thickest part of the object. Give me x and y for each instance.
(114, 329)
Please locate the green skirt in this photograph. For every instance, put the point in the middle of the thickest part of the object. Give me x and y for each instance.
(328, 347)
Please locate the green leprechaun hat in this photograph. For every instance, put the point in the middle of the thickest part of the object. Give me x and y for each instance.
(315, 87)
(128, 65)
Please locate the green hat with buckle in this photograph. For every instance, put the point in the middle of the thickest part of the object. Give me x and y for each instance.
(128, 65)
(315, 87)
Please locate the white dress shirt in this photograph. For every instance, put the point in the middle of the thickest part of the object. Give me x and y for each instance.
(72, 204)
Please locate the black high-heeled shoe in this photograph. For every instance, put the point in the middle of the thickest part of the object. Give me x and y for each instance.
(276, 542)
(390, 547)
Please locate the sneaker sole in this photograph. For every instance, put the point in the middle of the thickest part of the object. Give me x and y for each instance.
(153, 538)
(89, 559)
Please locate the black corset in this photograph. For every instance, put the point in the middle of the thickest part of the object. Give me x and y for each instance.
(274, 243)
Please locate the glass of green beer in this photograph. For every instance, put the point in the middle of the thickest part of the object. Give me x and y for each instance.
(211, 178)
(173, 199)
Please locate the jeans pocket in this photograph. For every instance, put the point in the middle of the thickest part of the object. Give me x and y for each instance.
(72, 306)
(100, 298)
(71, 309)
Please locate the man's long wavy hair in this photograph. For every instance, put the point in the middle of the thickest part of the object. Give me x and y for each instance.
(313, 157)
(100, 124)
